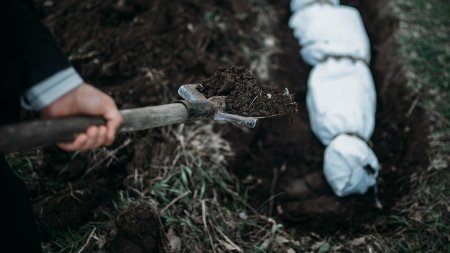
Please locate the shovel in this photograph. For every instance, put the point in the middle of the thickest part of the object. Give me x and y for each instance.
(196, 106)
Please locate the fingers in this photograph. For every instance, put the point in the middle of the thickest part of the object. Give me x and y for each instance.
(87, 100)
(113, 117)
(75, 145)
(93, 138)
(96, 137)
(91, 142)
(108, 110)
(114, 120)
(102, 136)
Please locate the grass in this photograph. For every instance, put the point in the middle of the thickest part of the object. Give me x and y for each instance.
(421, 220)
(201, 205)
(423, 36)
(201, 202)
(79, 239)
(28, 166)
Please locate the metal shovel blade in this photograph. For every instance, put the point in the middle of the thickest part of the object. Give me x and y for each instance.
(190, 93)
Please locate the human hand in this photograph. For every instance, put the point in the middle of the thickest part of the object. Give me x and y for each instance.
(87, 100)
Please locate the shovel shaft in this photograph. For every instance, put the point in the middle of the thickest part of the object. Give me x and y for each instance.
(153, 116)
(37, 133)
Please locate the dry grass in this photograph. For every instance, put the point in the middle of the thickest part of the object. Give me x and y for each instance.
(201, 204)
(422, 218)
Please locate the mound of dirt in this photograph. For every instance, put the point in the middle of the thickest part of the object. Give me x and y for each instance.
(246, 95)
(137, 231)
(74, 205)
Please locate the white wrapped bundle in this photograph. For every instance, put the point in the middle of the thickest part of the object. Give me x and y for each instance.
(341, 102)
(327, 30)
(341, 99)
(350, 166)
(299, 4)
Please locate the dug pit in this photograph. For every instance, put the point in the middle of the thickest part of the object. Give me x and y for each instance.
(281, 163)
(246, 95)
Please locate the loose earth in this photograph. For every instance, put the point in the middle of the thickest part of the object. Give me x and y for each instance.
(246, 95)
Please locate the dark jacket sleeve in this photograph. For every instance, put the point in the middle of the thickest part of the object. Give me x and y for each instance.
(38, 52)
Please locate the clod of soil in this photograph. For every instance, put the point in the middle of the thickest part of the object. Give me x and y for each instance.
(246, 95)
(74, 205)
(138, 231)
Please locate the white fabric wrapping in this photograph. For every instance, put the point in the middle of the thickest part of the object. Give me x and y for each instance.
(341, 98)
(344, 162)
(325, 30)
(299, 4)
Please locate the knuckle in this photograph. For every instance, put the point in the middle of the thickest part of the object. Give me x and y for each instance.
(109, 101)
(119, 119)
(50, 111)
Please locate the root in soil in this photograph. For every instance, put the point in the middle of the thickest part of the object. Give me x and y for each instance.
(246, 95)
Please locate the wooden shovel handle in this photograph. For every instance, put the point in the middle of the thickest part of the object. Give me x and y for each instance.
(37, 133)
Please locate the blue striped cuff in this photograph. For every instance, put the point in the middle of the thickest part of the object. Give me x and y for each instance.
(50, 89)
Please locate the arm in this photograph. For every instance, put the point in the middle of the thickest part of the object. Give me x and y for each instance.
(52, 85)
(40, 56)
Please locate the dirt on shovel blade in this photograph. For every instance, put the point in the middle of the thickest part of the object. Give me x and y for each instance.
(246, 95)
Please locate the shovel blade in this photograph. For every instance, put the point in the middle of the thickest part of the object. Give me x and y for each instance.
(190, 92)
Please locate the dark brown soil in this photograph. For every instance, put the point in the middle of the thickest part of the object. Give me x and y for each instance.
(246, 95)
(75, 204)
(137, 231)
(141, 51)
